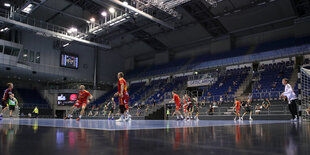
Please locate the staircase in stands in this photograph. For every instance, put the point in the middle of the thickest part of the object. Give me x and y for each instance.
(240, 91)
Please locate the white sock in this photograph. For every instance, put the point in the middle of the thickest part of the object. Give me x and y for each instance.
(177, 117)
(80, 116)
(69, 116)
(122, 116)
(182, 116)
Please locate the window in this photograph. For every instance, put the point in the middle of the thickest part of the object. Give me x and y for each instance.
(15, 51)
(7, 50)
(25, 55)
(31, 56)
(1, 48)
(38, 57)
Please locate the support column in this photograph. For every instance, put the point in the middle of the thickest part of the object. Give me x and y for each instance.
(95, 71)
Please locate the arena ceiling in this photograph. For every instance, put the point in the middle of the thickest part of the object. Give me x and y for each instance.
(199, 21)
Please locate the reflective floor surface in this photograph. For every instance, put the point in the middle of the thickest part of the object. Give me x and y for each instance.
(55, 136)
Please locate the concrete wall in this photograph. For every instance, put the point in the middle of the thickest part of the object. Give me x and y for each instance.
(50, 57)
(109, 64)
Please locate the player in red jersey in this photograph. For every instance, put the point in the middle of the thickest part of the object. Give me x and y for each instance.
(237, 109)
(177, 101)
(83, 99)
(5, 99)
(123, 97)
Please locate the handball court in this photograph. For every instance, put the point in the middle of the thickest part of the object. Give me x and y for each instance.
(57, 136)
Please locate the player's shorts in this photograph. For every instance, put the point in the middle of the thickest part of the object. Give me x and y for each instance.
(124, 100)
(4, 104)
(12, 107)
(248, 109)
(185, 109)
(178, 107)
(122, 108)
(112, 110)
(78, 104)
(237, 110)
(189, 107)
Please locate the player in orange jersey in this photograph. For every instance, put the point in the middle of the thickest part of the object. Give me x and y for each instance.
(177, 101)
(237, 109)
(83, 99)
(123, 97)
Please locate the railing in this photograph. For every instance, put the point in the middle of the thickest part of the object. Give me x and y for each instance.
(273, 95)
(31, 105)
(269, 95)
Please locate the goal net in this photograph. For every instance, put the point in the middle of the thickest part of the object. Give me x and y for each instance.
(305, 90)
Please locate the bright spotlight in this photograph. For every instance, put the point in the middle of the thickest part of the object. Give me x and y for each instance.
(72, 30)
(125, 2)
(104, 14)
(7, 5)
(28, 8)
(111, 10)
(92, 19)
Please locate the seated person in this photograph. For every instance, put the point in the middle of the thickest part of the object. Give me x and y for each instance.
(266, 104)
(139, 111)
(258, 108)
(210, 110)
(214, 105)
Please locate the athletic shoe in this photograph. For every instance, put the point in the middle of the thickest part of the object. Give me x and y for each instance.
(119, 120)
(296, 119)
(241, 119)
(235, 119)
(251, 119)
(109, 119)
(66, 118)
(128, 117)
(78, 119)
(112, 118)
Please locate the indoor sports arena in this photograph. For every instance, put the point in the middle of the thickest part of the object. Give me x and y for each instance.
(155, 77)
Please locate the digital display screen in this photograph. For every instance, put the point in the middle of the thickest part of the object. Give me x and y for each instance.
(69, 61)
(66, 99)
